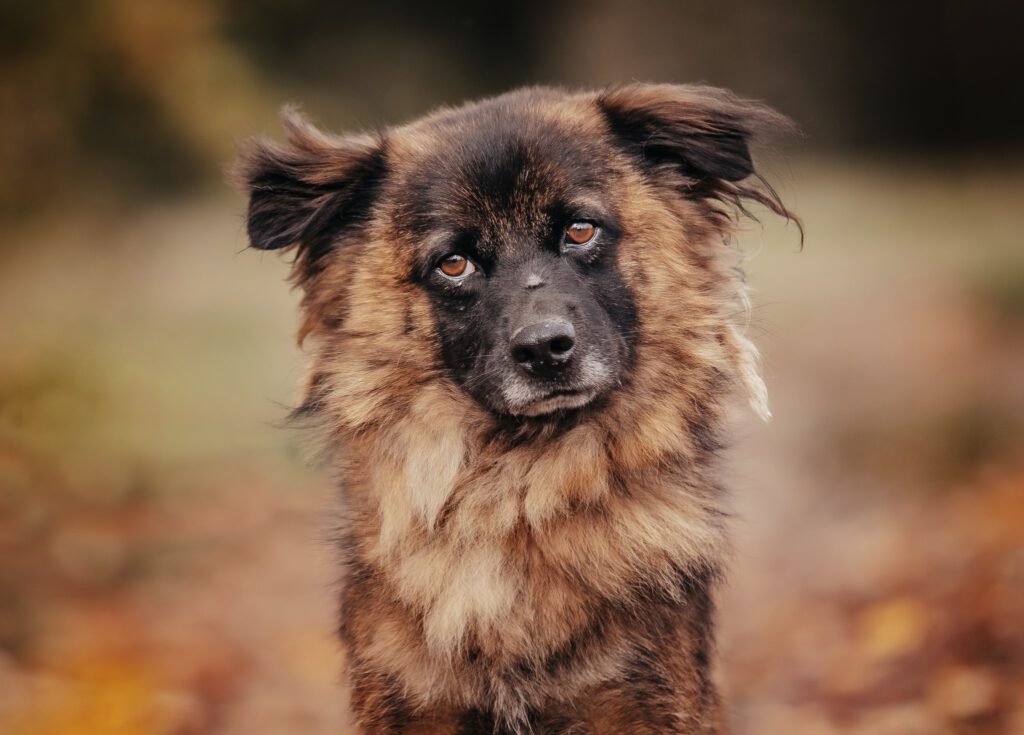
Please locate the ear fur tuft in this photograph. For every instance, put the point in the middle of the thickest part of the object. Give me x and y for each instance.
(303, 192)
(698, 138)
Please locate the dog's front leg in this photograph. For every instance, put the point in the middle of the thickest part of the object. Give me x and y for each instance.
(650, 708)
(381, 709)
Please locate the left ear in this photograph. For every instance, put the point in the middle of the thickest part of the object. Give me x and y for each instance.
(704, 132)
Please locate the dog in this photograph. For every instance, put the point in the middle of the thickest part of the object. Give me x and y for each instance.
(524, 318)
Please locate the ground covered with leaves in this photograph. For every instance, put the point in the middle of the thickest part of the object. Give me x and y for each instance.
(166, 564)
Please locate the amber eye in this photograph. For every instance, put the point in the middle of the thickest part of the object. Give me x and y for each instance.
(579, 233)
(456, 266)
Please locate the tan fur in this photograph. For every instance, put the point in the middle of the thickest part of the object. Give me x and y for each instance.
(470, 547)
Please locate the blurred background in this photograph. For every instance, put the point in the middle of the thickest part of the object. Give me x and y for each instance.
(163, 557)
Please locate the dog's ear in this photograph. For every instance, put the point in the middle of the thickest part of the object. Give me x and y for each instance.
(702, 131)
(697, 139)
(305, 192)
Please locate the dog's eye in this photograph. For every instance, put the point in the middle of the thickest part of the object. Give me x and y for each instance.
(579, 234)
(456, 266)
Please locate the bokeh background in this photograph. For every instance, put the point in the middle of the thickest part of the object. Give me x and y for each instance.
(164, 565)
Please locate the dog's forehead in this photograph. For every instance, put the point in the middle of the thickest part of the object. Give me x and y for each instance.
(506, 168)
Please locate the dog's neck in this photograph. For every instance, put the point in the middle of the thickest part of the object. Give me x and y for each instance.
(617, 505)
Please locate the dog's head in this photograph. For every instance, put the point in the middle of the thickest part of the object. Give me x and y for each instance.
(525, 251)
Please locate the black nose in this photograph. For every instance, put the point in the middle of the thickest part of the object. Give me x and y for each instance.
(545, 346)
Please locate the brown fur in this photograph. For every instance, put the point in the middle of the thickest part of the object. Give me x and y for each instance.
(553, 577)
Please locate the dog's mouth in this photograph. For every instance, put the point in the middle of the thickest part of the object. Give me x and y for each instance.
(518, 395)
(559, 400)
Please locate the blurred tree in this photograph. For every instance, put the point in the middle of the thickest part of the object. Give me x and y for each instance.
(133, 97)
(148, 97)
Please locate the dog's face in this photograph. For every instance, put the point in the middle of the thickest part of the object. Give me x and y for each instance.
(514, 239)
(517, 240)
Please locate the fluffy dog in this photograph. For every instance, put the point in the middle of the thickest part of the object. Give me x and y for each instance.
(524, 317)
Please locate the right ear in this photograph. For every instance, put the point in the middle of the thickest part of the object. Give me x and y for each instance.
(305, 192)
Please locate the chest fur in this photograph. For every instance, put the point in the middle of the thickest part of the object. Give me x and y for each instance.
(509, 550)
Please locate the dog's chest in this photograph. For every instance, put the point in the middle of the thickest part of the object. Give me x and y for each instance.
(468, 544)
(500, 596)
(494, 623)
